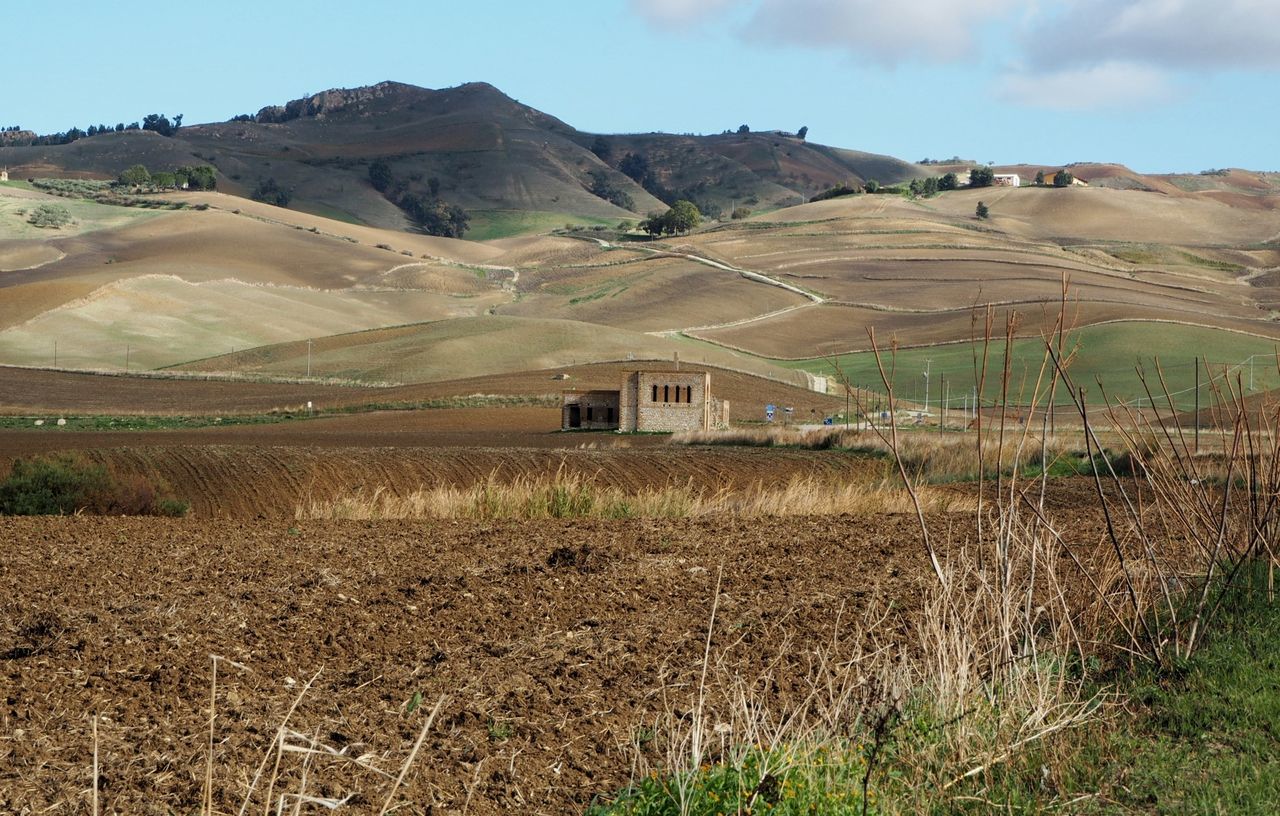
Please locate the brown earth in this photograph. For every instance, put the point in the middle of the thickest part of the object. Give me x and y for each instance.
(553, 645)
(26, 391)
(253, 475)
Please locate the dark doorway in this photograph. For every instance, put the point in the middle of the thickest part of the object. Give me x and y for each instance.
(575, 416)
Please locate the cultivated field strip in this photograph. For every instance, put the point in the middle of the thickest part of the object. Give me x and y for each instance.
(248, 482)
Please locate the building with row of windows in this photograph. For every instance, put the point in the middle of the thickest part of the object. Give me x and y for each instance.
(648, 401)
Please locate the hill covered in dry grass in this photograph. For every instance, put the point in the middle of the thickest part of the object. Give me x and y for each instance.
(472, 146)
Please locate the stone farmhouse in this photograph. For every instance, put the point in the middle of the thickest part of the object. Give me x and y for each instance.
(648, 401)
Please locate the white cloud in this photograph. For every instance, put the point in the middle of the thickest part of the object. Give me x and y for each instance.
(887, 31)
(1172, 34)
(679, 12)
(1108, 85)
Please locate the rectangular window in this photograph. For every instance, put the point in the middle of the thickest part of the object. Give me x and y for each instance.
(655, 393)
(666, 393)
(688, 394)
(590, 413)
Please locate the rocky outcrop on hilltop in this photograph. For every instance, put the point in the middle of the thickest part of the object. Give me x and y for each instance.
(327, 102)
(16, 138)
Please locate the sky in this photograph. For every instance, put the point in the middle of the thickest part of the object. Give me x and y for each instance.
(1159, 85)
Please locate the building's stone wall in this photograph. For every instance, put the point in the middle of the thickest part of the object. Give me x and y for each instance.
(627, 402)
(592, 410)
(681, 402)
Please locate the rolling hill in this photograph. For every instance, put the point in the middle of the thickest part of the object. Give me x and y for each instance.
(475, 147)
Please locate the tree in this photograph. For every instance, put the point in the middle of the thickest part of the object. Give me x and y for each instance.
(380, 175)
(1039, 178)
(872, 186)
(803, 132)
(164, 180)
(652, 224)
(603, 186)
(200, 177)
(743, 129)
(635, 166)
(682, 217)
(270, 192)
(603, 150)
(740, 212)
(931, 186)
(949, 182)
(983, 211)
(1063, 179)
(135, 176)
(982, 177)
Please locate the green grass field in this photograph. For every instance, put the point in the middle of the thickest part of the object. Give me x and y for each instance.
(87, 216)
(1109, 353)
(489, 224)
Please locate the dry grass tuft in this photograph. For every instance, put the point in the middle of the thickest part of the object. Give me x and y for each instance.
(566, 496)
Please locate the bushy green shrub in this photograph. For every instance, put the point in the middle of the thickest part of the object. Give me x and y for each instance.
(52, 486)
(53, 216)
(64, 484)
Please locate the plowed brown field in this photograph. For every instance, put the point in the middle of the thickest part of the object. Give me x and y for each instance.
(554, 645)
(34, 391)
(248, 481)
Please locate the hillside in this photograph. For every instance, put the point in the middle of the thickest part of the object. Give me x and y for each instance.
(474, 147)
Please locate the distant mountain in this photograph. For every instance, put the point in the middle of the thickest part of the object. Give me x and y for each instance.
(471, 146)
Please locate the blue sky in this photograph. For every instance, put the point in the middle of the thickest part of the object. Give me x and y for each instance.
(1160, 85)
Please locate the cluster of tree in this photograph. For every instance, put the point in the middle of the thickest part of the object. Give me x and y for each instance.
(198, 177)
(952, 160)
(740, 212)
(269, 191)
(682, 217)
(12, 129)
(159, 123)
(428, 211)
(924, 188)
(603, 186)
(983, 211)
(244, 117)
(840, 190)
(982, 177)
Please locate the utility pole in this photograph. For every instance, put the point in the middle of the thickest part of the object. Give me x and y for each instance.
(55, 353)
(1251, 372)
(126, 358)
(308, 356)
(1197, 405)
(927, 365)
(942, 403)
(846, 405)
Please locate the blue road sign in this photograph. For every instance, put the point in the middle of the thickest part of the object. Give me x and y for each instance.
(768, 412)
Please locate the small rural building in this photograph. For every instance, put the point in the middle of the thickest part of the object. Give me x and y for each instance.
(1008, 180)
(648, 401)
(4, 174)
(590, 410)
